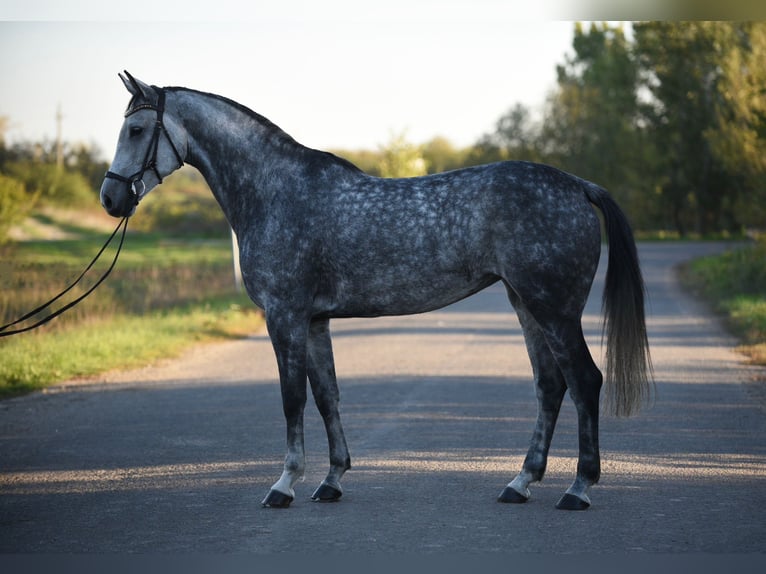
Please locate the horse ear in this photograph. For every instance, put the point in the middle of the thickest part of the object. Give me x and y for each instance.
(136, 87)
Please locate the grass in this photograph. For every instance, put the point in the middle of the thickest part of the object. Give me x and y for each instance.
(33, 362)
(735, 285)
(163, 296)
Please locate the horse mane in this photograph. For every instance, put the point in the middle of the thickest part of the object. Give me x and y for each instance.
(276, 133)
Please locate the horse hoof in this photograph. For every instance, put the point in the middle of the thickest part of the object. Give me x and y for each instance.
(572, 502)
(512, 496)
(276, 499)
(326, 493)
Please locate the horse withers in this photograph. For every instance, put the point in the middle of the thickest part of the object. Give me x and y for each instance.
(319, 239)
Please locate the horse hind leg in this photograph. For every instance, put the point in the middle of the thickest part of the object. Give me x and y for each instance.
(550, 388)
(583, 380)
(321, 373)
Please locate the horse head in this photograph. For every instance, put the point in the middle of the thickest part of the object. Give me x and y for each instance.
(152, 144)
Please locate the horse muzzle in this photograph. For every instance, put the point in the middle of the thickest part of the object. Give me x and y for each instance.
(120, 199)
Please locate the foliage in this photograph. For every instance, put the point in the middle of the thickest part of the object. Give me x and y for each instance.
(670, 119)
(72, 182)
(400, 158)
(34, 361)
(52, 185)
(707, 122)
(516, 137)
(183, 206)
(13, 204)
(592, 121)
(166, 292)
(434, 156)
(672, 122)
(735, 283)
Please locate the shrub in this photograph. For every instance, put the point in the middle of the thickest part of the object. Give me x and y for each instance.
(14, 204)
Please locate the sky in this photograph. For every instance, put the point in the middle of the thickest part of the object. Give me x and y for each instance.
(334, 74)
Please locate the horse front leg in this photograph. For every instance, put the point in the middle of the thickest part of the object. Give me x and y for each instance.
(289, 338)
(321, 371)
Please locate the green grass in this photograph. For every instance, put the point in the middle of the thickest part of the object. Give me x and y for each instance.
(163, 296)
(36, 360)
(735, 284)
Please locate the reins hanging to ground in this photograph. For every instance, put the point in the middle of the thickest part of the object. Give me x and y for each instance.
(5, 333)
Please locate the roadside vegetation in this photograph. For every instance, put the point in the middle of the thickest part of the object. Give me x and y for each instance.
(165, 294)
(735, 285)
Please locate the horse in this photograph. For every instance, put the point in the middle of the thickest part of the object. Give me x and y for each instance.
(319, 239)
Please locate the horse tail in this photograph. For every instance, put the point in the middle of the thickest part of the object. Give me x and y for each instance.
(629, 374)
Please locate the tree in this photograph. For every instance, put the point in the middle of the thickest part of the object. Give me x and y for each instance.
(440, 155)
(400, 158)
(708, 86)
(13, 204)
(738, 137)
(516, 137)
(592, 122)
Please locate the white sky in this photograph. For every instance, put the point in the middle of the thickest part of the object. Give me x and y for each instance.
(332, 73)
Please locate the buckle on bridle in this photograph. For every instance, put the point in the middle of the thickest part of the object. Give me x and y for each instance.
(136, 194)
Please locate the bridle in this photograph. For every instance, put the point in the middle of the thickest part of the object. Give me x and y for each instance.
(150, 159)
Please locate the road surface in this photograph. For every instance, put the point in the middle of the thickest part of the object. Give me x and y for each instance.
(438, 410)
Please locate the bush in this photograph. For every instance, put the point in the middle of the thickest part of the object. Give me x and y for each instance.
(52, 184)
(14, 204)
(735, 283)
(180, 214)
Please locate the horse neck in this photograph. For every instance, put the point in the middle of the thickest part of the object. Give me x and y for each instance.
(238, 152)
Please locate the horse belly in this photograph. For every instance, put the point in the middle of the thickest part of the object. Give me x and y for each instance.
(397, 293)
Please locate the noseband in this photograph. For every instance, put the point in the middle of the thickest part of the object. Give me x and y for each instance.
(150, 159)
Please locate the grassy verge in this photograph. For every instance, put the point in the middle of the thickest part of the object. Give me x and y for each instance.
(35, 361)
(163, 296)
(735, 285)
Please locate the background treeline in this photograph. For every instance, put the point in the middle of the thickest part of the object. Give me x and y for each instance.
(669, 116)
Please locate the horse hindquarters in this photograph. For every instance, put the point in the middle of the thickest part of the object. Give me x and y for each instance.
(548, 273)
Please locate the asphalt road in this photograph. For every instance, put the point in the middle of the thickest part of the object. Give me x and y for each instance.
(438, 410)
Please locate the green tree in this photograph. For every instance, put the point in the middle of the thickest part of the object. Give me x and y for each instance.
(48, 183)
(592, 121)
(400, 158)
(738, 137)
(366, 160)
(708, 83)
(440, 155)
(13, 204)
(516, 137)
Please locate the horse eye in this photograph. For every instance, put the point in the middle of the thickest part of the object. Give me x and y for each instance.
(135, 131)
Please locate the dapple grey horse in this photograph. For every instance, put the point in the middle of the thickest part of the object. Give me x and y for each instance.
(319, 239)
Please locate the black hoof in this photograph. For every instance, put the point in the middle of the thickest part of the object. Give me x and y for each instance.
(512, 496)
(572, 502)
(326, 493)
(276, 499)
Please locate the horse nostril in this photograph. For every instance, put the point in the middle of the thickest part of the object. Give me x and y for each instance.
(106, 201)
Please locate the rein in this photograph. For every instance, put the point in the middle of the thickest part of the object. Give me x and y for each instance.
(4, 333)
(150, 159)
